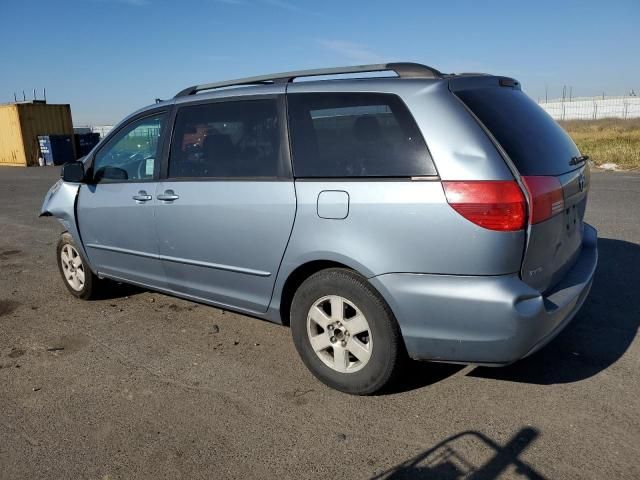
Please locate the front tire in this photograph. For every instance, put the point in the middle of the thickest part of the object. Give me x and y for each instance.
(76, 274)
(345, 332)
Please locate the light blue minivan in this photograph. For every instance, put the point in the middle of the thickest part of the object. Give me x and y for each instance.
(422, 215)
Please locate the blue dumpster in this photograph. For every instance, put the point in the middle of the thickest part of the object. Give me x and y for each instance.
(85, 143)
(56, 149)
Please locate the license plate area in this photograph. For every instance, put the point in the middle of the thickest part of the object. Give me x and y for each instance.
(572, 220)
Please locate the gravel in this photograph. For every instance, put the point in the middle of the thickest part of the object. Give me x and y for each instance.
(142, 389)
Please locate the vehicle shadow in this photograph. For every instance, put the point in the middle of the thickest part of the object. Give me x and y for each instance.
(415, 375)
(599, 335)
(470, 455)
(115, 290)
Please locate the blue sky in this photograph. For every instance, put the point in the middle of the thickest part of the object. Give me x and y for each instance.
(109, 57)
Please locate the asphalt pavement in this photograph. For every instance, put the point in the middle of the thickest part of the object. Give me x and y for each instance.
(148, 386)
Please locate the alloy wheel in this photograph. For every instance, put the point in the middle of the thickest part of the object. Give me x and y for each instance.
(339, 334)
(72, 267)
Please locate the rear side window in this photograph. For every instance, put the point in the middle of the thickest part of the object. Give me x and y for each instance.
(355, 135)
(234, 139)
(536, 144)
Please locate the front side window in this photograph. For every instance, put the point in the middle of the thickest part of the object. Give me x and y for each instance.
(131, 155)
(355, 135)
(235, 139)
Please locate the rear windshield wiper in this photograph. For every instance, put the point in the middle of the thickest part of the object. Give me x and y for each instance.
(578, 160)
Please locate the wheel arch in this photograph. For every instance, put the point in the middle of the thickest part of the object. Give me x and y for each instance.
(296, 277)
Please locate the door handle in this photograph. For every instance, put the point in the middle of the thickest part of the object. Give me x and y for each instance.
(168, 196)
(142, 196)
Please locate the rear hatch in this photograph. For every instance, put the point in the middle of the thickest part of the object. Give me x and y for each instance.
(555, 176)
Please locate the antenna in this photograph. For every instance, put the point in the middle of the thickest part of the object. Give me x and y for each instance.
(24, 97)
(34, 94)
(15, 98)
(44, 93)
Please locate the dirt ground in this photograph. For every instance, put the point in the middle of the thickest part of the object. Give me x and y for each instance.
(144, 385)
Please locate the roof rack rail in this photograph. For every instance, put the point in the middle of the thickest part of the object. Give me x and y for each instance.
(403, 70)
(471, 74)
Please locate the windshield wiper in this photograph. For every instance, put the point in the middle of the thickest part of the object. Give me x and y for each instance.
(578, 160)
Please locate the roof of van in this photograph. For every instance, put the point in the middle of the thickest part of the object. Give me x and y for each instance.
(344, 78)
(401, 69)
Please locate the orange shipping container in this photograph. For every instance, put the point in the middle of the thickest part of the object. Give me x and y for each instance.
(22, 122)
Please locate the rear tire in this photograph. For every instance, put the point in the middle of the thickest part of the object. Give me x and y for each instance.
(75, 271)
(345, 332)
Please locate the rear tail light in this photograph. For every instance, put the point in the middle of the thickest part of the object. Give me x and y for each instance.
(495, 205)
(547, 198)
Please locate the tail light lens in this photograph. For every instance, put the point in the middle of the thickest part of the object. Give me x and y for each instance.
(547, 198)
(495, 205)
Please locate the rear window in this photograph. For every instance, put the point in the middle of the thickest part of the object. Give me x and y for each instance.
(355, 135)
(536, 144)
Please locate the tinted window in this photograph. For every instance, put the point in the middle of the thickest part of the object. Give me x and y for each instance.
(355, 135)
(132, 154)
(536, 144)
(226, 139)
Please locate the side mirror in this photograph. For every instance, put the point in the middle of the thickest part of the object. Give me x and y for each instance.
(73, 172)
(111, 173)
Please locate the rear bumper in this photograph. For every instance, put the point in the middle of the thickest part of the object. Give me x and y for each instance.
(485, 320)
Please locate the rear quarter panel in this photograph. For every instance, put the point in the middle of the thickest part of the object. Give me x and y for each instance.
(397, 226)
(460, 148)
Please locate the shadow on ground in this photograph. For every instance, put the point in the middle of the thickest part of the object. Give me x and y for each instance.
(599, 335)
(421, 374)
(115, 290)
(470, 455)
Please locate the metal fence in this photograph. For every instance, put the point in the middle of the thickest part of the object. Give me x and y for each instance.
(593, 108)
(101, 129)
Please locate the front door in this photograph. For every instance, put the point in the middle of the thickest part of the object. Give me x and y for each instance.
(226, 208)
(116, 209)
